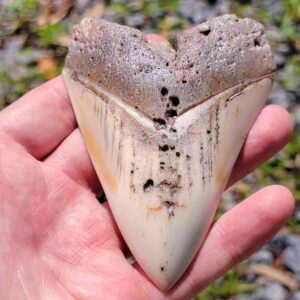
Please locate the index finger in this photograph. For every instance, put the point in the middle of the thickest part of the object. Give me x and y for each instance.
(41, 119)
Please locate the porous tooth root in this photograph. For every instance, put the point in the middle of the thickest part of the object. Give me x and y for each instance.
(163, 187)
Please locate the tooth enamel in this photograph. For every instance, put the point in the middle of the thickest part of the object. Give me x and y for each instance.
(163, 175)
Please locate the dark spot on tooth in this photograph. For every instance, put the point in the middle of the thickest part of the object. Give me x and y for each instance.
(132, 171)
(174, 100)
(163, 148)
(159, 121)
(164, 91)
(208, 131)
(170, 113)
(148, 185)
(188, 157)
(191, 65)
(167, 64)
(205, 30)
(178, 154)
(257, 42)
(184, 81)
(162, 269)
(170, 206)
(172, 147)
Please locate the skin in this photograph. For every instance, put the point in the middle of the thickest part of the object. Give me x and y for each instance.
(58, 242)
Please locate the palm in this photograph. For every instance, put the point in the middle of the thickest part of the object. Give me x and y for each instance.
(59, 243)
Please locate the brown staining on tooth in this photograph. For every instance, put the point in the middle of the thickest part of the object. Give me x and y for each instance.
(217, 127)
(170, 206)
(202, 163)
(237, 112)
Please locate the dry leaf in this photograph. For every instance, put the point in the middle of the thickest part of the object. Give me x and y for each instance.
(95, 11)
(284, 277)
(63, 40)
(48, 67)
(54, 11)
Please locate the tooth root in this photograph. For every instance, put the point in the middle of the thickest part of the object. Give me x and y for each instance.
(163, 187)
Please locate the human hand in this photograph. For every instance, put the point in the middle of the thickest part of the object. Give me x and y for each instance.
(58, 242)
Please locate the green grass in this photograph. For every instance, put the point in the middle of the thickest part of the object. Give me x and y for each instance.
(228, 285)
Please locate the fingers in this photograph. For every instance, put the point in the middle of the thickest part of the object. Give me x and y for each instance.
(73, 159)
(238, 234)
(271, 131)
(156, 38)
(41, 119)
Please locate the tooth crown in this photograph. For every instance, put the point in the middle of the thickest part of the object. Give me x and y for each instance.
(210, 58)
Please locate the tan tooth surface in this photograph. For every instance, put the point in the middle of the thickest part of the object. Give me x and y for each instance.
(163, 185)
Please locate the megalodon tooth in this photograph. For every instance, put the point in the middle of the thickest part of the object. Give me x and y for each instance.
(164, 127)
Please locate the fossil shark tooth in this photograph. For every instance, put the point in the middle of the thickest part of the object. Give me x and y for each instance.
(164, 127)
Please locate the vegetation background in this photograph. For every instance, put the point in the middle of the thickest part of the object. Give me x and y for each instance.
(34, 37)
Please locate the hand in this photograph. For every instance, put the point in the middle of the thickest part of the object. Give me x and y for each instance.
(58, 242)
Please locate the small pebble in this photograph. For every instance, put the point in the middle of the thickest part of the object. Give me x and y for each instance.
(263, 256)
(271, 291)
(280, 96)
(277, 244)
(296, 295)
(135, 20)
(291, 255)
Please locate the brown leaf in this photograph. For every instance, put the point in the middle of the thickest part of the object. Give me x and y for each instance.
(95, 11)
(48, 67)
(54, 11)
(284, 277)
